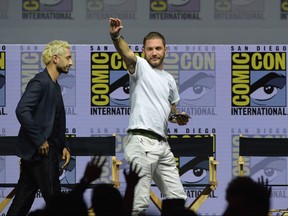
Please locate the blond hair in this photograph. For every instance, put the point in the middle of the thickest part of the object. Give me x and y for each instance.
(56, 47)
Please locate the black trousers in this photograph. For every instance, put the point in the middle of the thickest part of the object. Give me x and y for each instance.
(34, 175)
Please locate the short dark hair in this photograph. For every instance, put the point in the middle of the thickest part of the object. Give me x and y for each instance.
(153, 35)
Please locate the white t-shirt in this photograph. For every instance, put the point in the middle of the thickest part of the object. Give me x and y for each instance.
(152, 91)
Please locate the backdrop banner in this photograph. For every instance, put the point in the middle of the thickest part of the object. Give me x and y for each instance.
(227, 90)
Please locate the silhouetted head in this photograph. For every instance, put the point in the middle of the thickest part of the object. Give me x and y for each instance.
(247, 197)
(107, 200)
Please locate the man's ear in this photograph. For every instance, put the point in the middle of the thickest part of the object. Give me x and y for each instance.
(54, 59)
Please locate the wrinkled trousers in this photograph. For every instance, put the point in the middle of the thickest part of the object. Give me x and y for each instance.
(158, 164)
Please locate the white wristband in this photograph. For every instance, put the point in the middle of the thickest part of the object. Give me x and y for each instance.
(116, 38)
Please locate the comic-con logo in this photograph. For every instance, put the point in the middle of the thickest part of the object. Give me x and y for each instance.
(196, 81)
(109, 84)
(174, 9)
(196, 78)
(3, 80)
(2, 77)
(258, 83)
(284, 9)
(194, 72)
(4, 9)
(103, 9)
(47, 9)
(239, 9)
(31, 64)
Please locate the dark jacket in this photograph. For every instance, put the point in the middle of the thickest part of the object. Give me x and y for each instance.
(36, 113)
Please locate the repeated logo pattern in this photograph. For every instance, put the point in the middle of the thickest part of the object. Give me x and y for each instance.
(258, 83)
(47, 9)
(174, 10)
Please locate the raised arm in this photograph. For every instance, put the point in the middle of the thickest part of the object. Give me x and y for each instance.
(121, 45)
(132, 178)
(92, 172)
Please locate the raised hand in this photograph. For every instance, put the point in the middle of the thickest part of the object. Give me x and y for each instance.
(133, 177)
(265, 185)
(94, 169)
(115, 27)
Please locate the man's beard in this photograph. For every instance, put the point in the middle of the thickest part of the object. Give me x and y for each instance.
(60, 70)
(155, 65)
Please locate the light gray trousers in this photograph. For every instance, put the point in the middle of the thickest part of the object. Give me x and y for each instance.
(157, 163)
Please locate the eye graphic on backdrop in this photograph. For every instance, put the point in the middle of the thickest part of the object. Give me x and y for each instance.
(268, 90)
(66, 175)
(270, 168)
(119, 91)
(113, 2)
(2, 164)
(2, 169)
(197, 90)
(242, 2)
(50, 2)
(67, 82)
(2, 90)
(196, 170)
(2, 81)
(178, 2)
